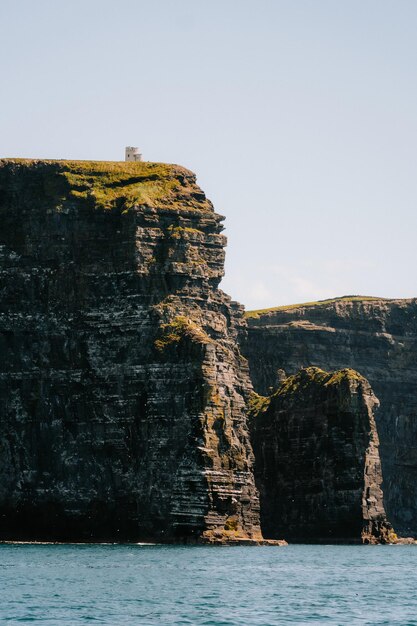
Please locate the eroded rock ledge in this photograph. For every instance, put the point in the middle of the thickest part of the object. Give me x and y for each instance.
(317, 461)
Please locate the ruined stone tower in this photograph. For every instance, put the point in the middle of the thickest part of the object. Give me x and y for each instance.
(132, 154)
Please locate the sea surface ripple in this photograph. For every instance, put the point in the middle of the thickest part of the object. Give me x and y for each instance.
(208, 586)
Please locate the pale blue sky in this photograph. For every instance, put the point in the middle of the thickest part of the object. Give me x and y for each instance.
(298, 116)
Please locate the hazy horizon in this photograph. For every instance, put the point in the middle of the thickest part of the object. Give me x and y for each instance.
(299, 119)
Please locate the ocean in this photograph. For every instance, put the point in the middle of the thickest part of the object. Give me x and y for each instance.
(145, 585)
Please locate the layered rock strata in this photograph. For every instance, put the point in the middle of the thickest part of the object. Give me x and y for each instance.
(122, 390)
(317, 461)
(378, 338)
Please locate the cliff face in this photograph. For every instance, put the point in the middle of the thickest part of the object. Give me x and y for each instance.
(122, 391)
(317, 462)
(378, 338)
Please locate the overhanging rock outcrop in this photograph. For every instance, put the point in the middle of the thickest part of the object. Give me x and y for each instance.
(122, 390)
(317, 462)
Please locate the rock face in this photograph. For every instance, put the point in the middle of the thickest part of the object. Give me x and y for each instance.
(376, 337)
(317, 461)
(122, 390)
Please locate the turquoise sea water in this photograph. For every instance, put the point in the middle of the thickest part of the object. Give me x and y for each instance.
(208, 586)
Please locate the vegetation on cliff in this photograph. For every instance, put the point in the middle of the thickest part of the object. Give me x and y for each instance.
(288, 307)
(111, 184)
(310, 376)
(305, 380)
(180, 328)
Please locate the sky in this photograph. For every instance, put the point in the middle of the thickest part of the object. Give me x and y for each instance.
(299, 118)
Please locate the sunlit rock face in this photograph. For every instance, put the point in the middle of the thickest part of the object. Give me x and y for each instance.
(317, 461)
(122, 390)
(376, 337)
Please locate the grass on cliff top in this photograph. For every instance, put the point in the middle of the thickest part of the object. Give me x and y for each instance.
(316, 376)
(289, 307)
(111, 183)
(138, 183)
(302, 380)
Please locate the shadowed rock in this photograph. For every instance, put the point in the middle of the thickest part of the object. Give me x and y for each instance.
(317, 462)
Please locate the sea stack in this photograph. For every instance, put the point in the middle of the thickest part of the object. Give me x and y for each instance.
(317, 462)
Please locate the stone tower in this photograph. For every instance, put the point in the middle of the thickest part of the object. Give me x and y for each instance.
(132, 154)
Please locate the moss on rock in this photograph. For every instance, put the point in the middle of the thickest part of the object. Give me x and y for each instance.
(181, 327)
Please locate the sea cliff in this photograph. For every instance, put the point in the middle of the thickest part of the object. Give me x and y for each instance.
(376, 337)
(122, 389)
(124, 396)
